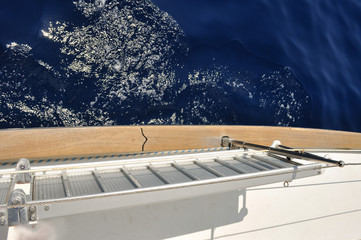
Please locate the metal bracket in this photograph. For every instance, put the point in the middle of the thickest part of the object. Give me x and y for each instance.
(32, 213)
(17, 215)
(23, 165)
(226, 142)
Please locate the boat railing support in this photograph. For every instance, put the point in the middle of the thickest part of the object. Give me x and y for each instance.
(289, 153)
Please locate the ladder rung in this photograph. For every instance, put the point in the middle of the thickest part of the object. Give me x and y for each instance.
(268, 161)
(131, 178)
(184, 171)
(99, 179)
(251, 164)
(66, 184)
(159, 174)
(11, 188)
(226, 164)
(31, 195)
(209, 169)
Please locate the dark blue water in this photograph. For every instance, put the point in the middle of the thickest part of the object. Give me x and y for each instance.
(287, 63)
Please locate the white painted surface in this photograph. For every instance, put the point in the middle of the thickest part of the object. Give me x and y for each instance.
(327, 206)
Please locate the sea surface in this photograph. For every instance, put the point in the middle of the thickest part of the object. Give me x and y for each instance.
(251, 62)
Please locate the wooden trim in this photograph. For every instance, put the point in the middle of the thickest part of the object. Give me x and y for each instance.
(61, 142)
(185, 137)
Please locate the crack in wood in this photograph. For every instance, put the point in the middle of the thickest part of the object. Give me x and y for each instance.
(146, 139)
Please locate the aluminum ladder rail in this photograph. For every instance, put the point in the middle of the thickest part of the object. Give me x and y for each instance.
(62, 190)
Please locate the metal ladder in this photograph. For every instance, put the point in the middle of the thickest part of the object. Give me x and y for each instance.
(132, 181)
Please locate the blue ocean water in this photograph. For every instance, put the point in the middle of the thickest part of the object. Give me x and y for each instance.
(108, 62)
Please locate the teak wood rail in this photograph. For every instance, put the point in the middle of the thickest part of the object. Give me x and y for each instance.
(39, 143)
